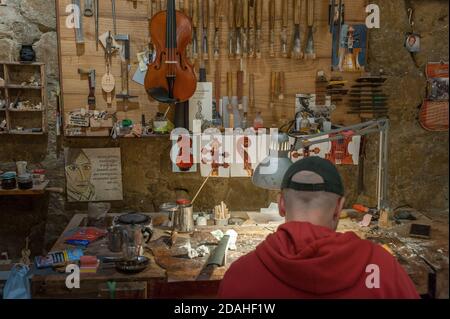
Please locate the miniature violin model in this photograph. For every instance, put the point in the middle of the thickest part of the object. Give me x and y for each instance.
(170, 77)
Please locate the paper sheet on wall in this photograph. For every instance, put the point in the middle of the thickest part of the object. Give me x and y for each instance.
(93, 175)
(200, 105)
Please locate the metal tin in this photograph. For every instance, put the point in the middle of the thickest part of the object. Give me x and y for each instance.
(184, 220)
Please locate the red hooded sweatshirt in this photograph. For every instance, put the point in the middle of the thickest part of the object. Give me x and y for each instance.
(302, 260)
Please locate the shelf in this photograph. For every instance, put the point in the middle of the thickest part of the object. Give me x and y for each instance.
(23, 63)
(13, 132)
(22, 87)
(36, 190)
(18, 111)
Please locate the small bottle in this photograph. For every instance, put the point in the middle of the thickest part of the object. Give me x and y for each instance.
(258, 122)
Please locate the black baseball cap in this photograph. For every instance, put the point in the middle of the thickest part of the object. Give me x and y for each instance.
(322, 167)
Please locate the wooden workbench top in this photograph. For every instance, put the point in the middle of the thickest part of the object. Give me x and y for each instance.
(415, 255)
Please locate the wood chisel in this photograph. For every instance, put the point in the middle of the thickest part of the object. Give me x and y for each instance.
(297, 44)
(97, 21)
(244, 28)
(205, 21)
(88, 8)
(195, 21)
(79, 36)
(230, 95)
(113, 8)
(272, 19)
(273, 84)
(251, 27)
(182, 7)
(231, 29)
(151, 10)
(251, 85)
(240, 88)
(284, 28)
(239, 26)
(340, 21)
(259, 13)
(217, 259)
(281, 85)
(217, 10)
(310, 51)
(217, 88)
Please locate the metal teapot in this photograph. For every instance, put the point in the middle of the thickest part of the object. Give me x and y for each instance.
(129, 233)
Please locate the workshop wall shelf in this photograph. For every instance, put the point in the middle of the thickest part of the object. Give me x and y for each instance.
(22, 84)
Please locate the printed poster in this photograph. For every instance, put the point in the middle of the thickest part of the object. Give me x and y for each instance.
(93, 175)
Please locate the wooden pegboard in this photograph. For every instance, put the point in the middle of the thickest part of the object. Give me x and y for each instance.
(132, 19)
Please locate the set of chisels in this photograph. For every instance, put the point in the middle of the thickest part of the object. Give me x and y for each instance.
(367, 97)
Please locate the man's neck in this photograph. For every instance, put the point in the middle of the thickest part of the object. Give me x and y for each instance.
(310, 217)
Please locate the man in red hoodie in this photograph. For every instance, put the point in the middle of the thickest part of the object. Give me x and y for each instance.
(306, 257)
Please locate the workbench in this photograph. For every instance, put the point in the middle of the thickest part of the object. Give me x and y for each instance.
(172, 277)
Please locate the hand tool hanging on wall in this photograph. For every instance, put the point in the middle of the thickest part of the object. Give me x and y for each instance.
(259, 13)
(108, 80)
(251, 27)
(297, 44)
(125, 68)
(310, 51)
(340, 21)
(251, 85)
(88, 8)
(91, 77)
(150, 12)
(284, 28)
(240, 88)
(205, 21)
(245, 28)
(217, 9)
(273, 88)
(113, 9)
(217, 90)
(230, 110)
(195, 22)
(79, 36)
(182, 7)
(239, 28)
(231, 29)
(202, 71)
(272, 19)
(97, 22)
(281, 85)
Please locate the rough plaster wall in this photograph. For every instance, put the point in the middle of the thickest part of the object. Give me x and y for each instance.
(31, 22)
(418, 169)
(418, 159)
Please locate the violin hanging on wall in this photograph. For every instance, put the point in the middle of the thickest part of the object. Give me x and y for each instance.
(171, 78)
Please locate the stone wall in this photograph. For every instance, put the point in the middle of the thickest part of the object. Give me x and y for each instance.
(32, 22)
(418, 159)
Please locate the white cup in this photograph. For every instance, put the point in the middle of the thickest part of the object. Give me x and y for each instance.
(21, 168)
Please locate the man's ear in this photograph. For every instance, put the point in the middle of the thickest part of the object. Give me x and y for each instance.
(281, 205)
(339, 208)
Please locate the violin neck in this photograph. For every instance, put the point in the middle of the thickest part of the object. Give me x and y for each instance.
(171, 25)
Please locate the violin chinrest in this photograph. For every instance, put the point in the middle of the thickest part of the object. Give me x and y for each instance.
(161, 95)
